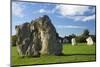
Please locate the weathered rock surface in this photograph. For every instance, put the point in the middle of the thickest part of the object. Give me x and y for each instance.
(38, 37)
(89, 41)
(73, 40)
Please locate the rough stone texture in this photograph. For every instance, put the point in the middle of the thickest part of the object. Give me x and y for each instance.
(89, 41)
(73, 40)
(38, 37)
(23, 34)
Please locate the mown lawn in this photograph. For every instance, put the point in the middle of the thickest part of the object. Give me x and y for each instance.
(77, 53)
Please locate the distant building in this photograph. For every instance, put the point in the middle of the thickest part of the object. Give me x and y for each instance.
(66, 39)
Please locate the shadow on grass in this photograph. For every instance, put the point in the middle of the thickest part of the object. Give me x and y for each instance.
(57, 55)
(75, 54)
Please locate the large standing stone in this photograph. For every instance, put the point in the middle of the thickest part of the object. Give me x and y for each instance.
(73, 41)
(23, 38)
(89, 41)
(37, 37)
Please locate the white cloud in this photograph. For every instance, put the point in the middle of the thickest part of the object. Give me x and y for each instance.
(80, 18)
(42, 11)
(93, 10)
(89, 18)
(76, 18)
(71, 9)
(17, 10)
(77, 13)
(70, 26)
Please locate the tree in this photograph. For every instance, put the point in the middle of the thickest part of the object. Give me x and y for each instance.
(82, 38)
(70, 37)
(85, 33)
(93, 37)
(73, 35)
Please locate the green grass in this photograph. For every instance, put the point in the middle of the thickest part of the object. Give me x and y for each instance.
(77, 53)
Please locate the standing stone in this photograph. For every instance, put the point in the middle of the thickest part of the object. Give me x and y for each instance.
(73, 41)
(23, 40)
(89, 41)
(38, 37)
(47, 33)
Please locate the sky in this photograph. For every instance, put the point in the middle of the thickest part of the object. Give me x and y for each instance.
(67, 19)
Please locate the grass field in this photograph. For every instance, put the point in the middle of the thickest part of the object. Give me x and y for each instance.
(77, 53)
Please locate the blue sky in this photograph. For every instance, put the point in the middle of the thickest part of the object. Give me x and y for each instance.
(67, 19)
